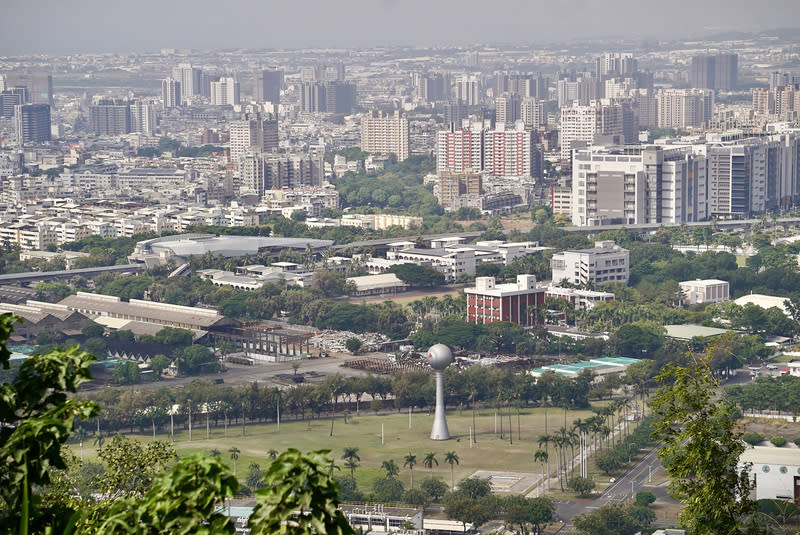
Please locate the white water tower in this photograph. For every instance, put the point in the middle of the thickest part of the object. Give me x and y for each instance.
(439, 357)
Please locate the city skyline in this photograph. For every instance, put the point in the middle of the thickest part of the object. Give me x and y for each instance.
(86, 28)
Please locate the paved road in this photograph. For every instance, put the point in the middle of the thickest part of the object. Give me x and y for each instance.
(622, 489)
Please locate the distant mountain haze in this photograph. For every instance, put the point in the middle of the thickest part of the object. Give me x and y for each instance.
(58, 27)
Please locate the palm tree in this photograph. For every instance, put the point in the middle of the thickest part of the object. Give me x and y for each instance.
(272, 454)
(234, 451)
(81, 434)
(351, 460)
(99, 438)
(410, 461)
(429, 461)
(215, 453)
(545, 440)
(542, 457)
(451, 458)
(391, 468)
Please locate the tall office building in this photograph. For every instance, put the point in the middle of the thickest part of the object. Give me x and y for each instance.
(10, 99)
(143, 118)
(254, 132)
(432, 87)
(225, 92)
(636, 185)
(714, 72)
(108, 117)
(454, 113)
(507, 108)
(39, 86)
(328, 97)
(340, 96)
(268, 87)
(190, 79)
(32, 122)
(170, 93)
(726, 72)
(382, 133)
(682, 108)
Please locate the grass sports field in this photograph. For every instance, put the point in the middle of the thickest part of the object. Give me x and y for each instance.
(364, 432)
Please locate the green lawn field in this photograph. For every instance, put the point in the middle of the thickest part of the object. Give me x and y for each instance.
(364, 432)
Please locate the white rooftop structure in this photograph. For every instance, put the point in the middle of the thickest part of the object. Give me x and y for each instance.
(764, 301)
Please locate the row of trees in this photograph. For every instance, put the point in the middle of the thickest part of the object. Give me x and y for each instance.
(498, 387)
(767, 393)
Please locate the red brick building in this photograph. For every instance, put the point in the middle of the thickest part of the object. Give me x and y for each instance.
(488, 302)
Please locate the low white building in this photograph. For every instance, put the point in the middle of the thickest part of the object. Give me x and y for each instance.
(705, 291)
(775, 472)
(384, 284)
(605, 262)
(581, 299)
(450, 262)
(764, 301)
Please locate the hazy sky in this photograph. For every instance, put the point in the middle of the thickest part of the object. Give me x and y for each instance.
(63, 27)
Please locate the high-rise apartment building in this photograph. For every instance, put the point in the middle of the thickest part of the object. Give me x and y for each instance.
(507, 108)
(460, 150)
(170, 93)
(225, 92)
(581, 125)
(502, 152)
(781, 102)
(268, 87)
(382, 133)
(468, 90)
(616, 64)
(254, 132)
(143, 118)
(532, 112)
(511, 152)
(682, 108)
(784, 78)
(432, 87)
(38, 86)
(32, 122)
(109, 117)
(261, 172)
(190, 78)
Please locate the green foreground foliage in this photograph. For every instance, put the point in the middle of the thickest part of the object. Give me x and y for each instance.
(37, 417)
